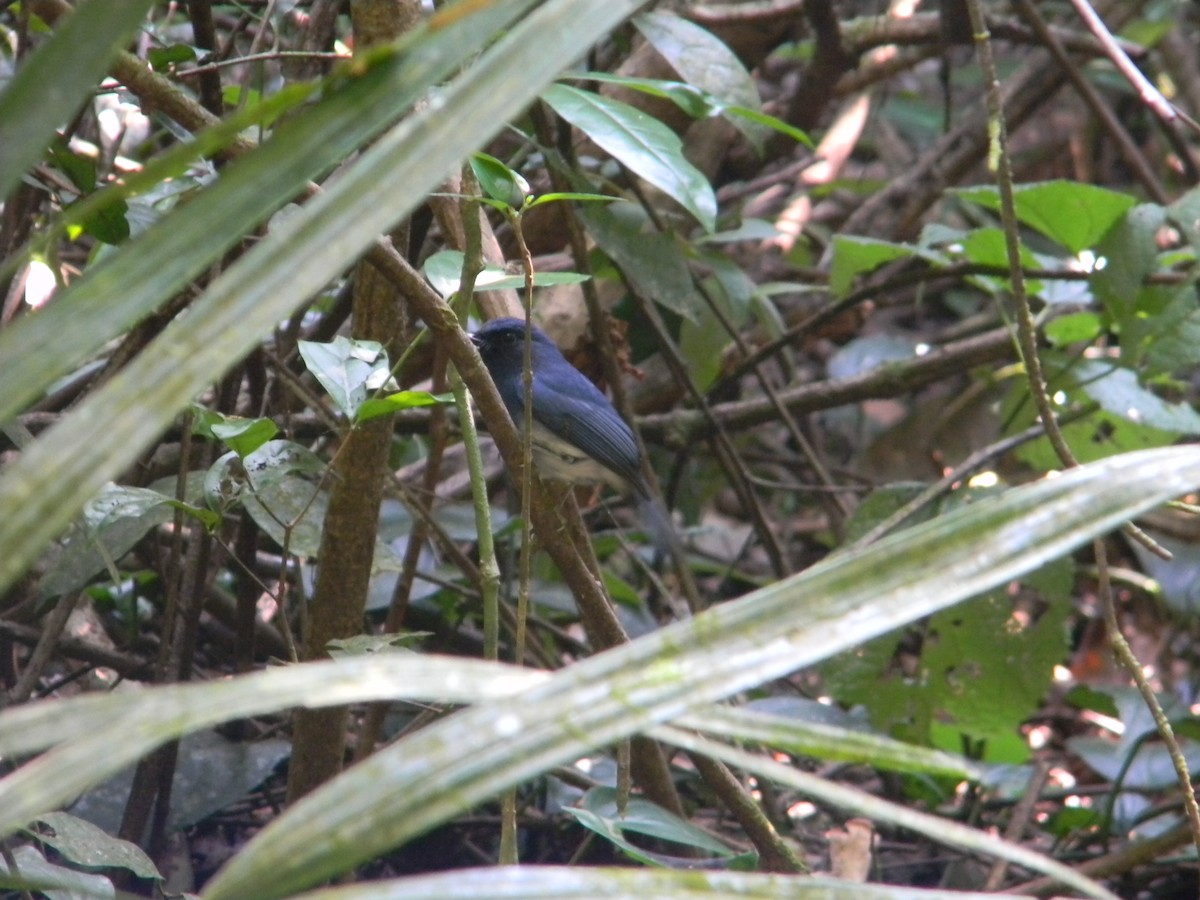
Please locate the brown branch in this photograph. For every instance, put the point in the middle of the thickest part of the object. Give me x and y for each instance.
(682, 427)
(356, 485)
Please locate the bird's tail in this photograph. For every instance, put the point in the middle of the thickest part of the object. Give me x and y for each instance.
(661, 530)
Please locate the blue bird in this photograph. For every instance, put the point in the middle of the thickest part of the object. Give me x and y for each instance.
(578, 437)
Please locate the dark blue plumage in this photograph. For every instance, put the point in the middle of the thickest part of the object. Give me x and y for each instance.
(578, 436)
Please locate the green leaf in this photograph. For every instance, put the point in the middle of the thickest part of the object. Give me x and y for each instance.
(206, 517)
(365, 644)
(79, 169)
(598, 813)
(242, 436)
(444, 269)
(1119, 392)
(54, 81)
(499, 181)
(853, 256)
(653, 262)
(701, 59)
(83, 844)
(289, 507)
(348, 369)
(212, 773)
(1129, 254)
(1073, 328)
(375, 407)
(640, 142)
(164, 57)
(111, 524)
(698, 103)
(700, 344)
(109, 224)
(757, 117)
(1073, 214)
(1174, 347)
(275, 460)
(987, 247)
(1185, 212)
(556, 196)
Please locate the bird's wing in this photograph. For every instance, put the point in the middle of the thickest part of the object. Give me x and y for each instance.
(582, 416)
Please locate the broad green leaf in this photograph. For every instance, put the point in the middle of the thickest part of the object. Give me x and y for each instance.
(1074, 215)
(53, 82)
(703, 60)
(735, 286)
(444, 269)
(1073, 328)
(1174, 348)
(1118, 390)
(1095, 437)
(230, 476)
(165, 57)
(700, 344)
(109, 527)
(276, 460)
(653, 262)
(598, 812)
(242, 436)
(1185, 212)
(82, 843)
(854, 256)
(987, 247)
(366, 644)
(697, 102)
(1130, 254)
(348, 369)
(212, 773)
(78, 168)
(499, 181)
(642, 143)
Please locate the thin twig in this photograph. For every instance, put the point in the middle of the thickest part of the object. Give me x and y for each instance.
(256, 57)
(1129, 662)
(999, 162)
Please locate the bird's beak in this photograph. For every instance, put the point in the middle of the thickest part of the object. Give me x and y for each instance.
(475, 339)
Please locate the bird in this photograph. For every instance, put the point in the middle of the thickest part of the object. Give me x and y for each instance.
(578, 436)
